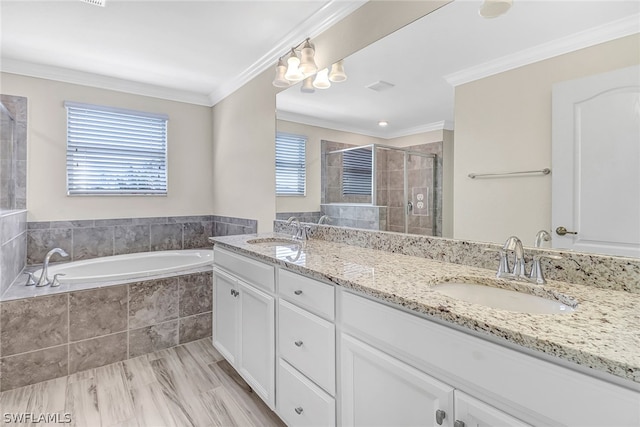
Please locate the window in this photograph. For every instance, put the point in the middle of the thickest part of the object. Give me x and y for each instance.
(290, 164)
(356, 172)
(111, 151)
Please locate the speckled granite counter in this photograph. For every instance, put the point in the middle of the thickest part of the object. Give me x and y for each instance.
(602, 334)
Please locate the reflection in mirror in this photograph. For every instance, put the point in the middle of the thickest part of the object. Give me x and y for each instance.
(494, 79)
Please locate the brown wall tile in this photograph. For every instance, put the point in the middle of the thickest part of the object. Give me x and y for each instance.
(33, 367)
(153, 302)
(153, 338)
(196, 293)
(97, 312)
(195, 327)
(33, 323)
(97, 352)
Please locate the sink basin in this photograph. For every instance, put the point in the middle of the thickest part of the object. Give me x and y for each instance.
(503, 299)
(273, 241)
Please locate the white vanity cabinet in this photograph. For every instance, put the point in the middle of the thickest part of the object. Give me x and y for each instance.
(306, 370)
(244, 319)
(474, 381)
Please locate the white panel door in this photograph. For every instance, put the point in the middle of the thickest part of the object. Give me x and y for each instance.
(596, 163)
(256, 361)
(225, 321)
(471, 412)
(380, 390)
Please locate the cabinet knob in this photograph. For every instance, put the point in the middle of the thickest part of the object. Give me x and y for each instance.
(298, 343)
(234, 293)
(298, 410)
(298, 292)
(458, 423)
(440, 416)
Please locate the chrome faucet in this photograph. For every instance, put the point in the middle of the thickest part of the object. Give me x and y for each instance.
(324, 219)
(541, 236)
(302, 231)
(44, 279)
(519, 271)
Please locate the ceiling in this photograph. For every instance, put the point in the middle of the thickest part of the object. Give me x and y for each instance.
(190, 51)
(453, 45)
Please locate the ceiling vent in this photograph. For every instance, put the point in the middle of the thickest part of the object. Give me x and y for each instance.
(380, 86)
(95, 2)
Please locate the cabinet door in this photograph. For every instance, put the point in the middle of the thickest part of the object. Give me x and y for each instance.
(225, 322)
(379, 390)
(257, 341)
(471, 412)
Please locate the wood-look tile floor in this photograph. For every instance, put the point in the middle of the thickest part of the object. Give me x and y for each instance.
(188, 385)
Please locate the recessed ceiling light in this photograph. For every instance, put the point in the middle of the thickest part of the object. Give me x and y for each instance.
(383, 123)
(380, 85)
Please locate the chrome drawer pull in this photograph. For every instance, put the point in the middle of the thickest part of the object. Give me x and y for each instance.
(298, 292)
(298, 343)
(298, 410)
(440, 416)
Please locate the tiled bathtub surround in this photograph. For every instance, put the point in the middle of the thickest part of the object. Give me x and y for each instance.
(53, 336)
(84, 239)
(13, 246)
(603, 271)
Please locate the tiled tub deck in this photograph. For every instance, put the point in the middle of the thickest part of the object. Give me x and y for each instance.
(55, 335)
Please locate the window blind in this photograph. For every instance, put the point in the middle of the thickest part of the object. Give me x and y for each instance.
(290, 164)
(356, 172)
(112, 151)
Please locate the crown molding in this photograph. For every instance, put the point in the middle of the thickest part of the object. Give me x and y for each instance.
(14, 66)
(327, 124)
(603, 33)
(325, 17)
(311, 27)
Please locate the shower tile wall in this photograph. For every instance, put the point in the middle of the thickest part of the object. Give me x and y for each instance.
(302, 216)
(356, 216)
(52, 336)
(85, 239)
(331, 176)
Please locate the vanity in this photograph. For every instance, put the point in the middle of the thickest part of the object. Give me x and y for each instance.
(332, 334)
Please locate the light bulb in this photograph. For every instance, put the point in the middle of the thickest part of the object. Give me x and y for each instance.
(337, 73)
(322, 79)
(383, 123)
(293, 73)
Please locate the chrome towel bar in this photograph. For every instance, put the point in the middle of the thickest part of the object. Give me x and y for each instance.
(545, 171)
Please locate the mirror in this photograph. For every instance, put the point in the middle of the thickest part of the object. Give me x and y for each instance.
(482, 88)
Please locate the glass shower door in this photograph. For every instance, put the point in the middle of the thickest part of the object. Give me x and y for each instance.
(419, 193)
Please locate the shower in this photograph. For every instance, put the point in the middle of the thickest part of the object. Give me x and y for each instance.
(381, 187)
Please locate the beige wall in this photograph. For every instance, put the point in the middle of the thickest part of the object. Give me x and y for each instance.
(244, 122)
(311, 201)
(189, 154)
(503, 123)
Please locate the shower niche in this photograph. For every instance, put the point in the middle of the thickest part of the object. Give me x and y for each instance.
(381, 187)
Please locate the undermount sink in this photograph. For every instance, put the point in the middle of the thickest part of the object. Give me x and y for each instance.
(273, 241)
(503, 299)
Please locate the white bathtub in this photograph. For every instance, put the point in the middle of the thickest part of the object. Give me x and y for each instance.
(131, 266)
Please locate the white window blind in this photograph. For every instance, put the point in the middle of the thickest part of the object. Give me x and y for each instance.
(356, 172)
(290, 164)
(112, 151)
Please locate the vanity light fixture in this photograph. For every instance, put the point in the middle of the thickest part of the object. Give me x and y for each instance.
(383, 123)
(293, 73)
(494, 8)
(337, 73)
(307, 85)
(322, 79)
(303, 67)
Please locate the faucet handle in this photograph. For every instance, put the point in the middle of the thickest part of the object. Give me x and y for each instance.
(31, 279)
(55, 282)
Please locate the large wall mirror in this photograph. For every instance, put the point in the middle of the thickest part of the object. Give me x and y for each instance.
(466, 96)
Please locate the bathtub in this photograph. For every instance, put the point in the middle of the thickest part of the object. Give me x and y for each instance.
(130, 266)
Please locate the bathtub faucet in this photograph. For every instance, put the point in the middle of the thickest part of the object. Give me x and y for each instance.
(44, 280)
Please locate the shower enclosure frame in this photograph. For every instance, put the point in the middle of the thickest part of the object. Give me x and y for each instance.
(406, 153)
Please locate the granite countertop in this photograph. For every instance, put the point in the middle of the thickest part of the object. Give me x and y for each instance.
(601, 334)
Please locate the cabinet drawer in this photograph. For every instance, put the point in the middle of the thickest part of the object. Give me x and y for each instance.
(317, 297)
(308, 343)
(300, 402)
(254, 272)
